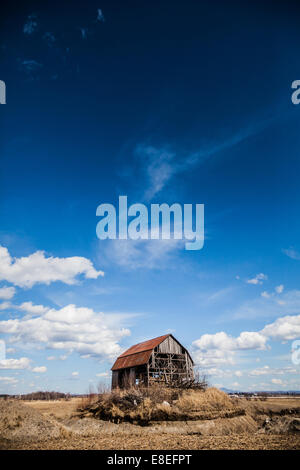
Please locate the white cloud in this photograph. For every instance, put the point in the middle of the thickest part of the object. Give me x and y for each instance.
(31, 25)
(30, 67)
(40, 369)
(31, 308)
(27, 307)
(266, 370)
(2, 349)
(100, 16)
(220, 348)
(5, 305)
(258, 279)
(49, 38)
(213, 357)
(160, 167)
(22, 363)
(221, 372)
(272, 306)
(161, 164)
(220, 294)
(283, 329)
(57, 358)
(277, 381)
(71, 329)
(37, 268)
(265, 294)
(84, 32)
(103, 374)
(216, 372)
(222, 341)
(9, 380)
(136, 254)
(261, 371)
(251, 340)
(279, 289)
(7, 292)
(75, 374)
(292, 253)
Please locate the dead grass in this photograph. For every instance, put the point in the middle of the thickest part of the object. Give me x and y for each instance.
(58, 409)
(57, 425)
(210, 399)
(19, 422)
(159, 404)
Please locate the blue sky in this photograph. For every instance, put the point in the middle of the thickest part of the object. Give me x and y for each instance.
(162, 102)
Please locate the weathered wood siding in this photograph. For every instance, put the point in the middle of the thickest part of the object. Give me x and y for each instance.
(115, 379)
(132, 376)
(170, 345)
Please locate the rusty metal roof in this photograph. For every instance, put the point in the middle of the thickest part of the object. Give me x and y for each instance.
(145, 346)
(140, 353)
(132, 360)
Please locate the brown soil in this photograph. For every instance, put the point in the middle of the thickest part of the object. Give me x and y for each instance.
(270, 424)
(119, 441)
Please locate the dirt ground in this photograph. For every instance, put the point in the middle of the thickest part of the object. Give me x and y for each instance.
(163, 442)
(270, 424)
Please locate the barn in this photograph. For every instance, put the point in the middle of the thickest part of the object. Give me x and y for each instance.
(159, 360)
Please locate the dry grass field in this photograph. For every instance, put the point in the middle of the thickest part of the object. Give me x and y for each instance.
(60, 409)
(195, 420)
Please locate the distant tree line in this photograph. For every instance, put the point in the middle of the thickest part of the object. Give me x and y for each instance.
(44, 396)
(266, 394)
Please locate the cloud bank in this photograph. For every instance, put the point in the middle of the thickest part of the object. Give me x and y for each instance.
(221, 348)
(70, 329)
(37, 268)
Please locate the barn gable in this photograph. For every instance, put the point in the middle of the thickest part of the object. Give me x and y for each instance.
(161, 358)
